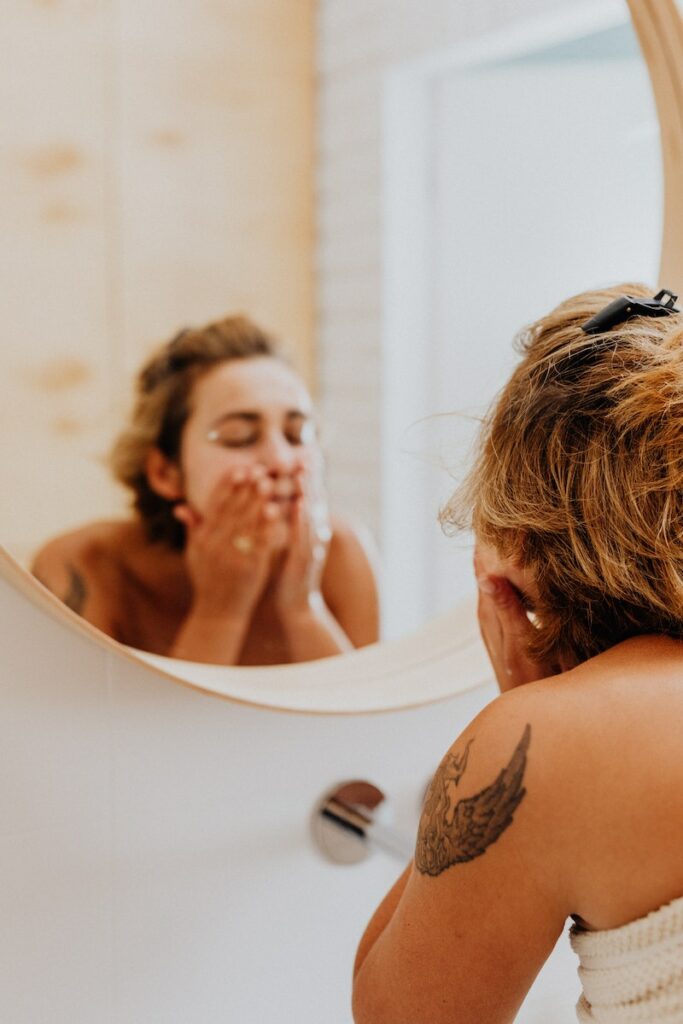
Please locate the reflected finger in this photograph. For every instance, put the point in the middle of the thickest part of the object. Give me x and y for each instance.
(241, 498)
(226, 491)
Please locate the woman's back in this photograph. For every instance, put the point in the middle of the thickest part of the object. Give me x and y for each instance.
(629, 934)
(621, 712)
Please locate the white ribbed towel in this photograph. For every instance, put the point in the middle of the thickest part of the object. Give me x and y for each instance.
(633, 973)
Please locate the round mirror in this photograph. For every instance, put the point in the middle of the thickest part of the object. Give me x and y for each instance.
(156, 183)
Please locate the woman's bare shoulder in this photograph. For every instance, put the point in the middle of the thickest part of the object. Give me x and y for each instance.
(83, 566)
(349, 581)
(615, 707)
(352, 539)
(86, 544)
(609, 768)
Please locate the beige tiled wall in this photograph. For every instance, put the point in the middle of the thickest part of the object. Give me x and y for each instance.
(156, 167)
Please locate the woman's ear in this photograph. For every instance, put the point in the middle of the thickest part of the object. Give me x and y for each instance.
(163, 475)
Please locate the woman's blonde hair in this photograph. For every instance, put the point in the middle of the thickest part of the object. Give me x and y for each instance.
(579, 476)
(164, 402)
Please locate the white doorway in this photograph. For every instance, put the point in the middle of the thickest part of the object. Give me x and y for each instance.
(517, 171)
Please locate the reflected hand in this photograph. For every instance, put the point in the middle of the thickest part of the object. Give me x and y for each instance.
(228, 550)
(298, 587)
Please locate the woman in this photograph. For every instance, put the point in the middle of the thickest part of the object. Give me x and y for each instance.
(564, 797)
(231, 557)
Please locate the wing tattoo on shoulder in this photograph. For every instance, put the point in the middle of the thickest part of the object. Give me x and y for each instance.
(77, 593)
(453, 831)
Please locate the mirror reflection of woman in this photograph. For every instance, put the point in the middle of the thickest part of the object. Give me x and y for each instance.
(231, 557)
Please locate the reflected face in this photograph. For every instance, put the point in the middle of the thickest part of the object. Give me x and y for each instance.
(489, 562)
(247, 412)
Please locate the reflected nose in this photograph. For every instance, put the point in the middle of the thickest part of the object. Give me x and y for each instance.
(278, 457)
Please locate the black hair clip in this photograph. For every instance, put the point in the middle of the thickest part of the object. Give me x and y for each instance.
(628, 306)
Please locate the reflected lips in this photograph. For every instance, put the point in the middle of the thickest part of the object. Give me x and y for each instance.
(283, 492)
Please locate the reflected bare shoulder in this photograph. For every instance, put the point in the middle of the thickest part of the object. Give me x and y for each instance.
(77, 591)
(76, 568)
(57, 571)
(349, 583)
(454, 830)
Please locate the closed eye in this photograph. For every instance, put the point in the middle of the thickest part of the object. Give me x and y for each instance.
(232, 435)
(218, 437)
(242, 429)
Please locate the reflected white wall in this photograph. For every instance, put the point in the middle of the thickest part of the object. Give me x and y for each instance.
(532, 174)
(358, 43)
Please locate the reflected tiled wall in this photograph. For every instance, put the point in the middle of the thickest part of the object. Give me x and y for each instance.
(156, 162)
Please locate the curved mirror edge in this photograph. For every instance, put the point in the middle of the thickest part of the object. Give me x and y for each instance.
(441, 660)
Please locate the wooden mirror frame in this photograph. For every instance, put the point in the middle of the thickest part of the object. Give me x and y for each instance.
(659, 27)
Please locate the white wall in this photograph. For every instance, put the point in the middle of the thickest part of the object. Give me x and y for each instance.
(155, 841)
(534, 173)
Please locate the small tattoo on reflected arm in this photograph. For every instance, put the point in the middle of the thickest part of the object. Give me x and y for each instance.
(451, 831)
(77, 593)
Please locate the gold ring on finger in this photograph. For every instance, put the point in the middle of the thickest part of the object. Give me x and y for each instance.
(243, 542)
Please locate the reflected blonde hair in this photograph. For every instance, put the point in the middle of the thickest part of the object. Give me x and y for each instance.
(163, 405)
(579, 476)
